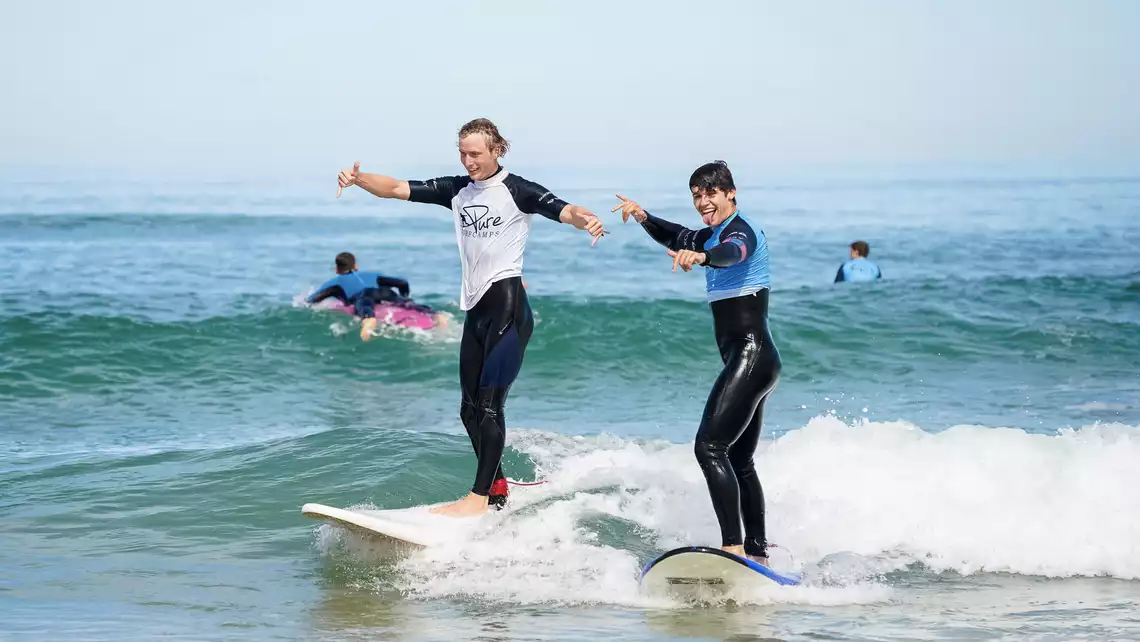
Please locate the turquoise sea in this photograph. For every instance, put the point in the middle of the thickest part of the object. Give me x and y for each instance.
(951, 453)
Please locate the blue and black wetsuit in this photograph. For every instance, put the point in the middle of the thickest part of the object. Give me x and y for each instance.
(858, 270)
(361, 290)
(737, 281)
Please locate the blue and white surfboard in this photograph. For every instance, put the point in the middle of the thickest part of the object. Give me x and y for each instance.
(701, 572)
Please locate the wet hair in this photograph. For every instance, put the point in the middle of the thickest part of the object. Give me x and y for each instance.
(345, 262)
(495, 140)
(711, 177)
(861, 248)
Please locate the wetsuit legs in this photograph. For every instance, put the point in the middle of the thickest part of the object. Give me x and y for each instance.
(495, 335)
(727, 438)
(751, 493)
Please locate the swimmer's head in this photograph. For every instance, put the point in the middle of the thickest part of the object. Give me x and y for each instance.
(714, 192)
(860, 250)
(345, 263)
(480, 148)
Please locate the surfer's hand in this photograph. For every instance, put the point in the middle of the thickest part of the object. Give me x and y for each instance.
(629, 208)
(687, 259)
(347, 178)
(583, 219)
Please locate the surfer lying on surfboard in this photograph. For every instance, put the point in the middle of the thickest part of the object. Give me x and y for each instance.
(492, 210)
(735, 253)
(362, 291)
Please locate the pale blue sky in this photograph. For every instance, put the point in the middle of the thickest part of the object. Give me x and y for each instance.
(257, 87)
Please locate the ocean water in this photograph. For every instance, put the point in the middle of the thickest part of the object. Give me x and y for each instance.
(951, 453)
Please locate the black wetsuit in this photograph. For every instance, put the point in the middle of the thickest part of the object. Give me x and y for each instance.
(492, 223)
(734, 413)
(495, 334)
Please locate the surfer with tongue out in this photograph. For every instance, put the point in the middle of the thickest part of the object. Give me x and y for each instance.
(735, 253)
(492, 210)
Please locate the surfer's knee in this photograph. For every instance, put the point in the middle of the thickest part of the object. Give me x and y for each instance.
(467, 414)
(708, 450)
(489, 402)
(491, 418)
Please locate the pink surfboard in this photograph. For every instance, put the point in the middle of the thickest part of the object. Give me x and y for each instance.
(396, 315)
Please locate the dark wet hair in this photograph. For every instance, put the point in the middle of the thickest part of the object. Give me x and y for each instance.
(711, 177)
(861, 248)
(345, 262)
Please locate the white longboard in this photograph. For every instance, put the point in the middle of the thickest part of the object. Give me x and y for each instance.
(699, 573)
(407, 528)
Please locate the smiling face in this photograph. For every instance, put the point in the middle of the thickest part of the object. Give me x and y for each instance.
(714, 205)
(714, 192)
(478, 157)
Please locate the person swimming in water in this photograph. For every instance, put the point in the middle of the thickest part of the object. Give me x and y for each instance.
(858, 267)
(492, 210)
(734, 252)
(362, 291)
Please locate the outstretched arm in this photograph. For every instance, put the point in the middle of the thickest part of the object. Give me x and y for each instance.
(384, 186)
(376, 184)
(438, 191)
(673, 236)
(667, 233)
(532, 198)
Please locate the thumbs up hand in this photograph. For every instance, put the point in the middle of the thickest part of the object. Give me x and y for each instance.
(347, 178)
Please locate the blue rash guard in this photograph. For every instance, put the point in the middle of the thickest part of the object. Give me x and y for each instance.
(858, 270)
(736, 250)
(361, 290)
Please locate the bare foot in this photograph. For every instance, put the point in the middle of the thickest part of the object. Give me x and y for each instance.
(366, 327)
(469, 506)
(739, 552)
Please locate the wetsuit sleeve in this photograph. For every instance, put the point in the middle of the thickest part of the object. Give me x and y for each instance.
(673, 236)
(532, 198)
(392, 282)
(437, 191)
(329, 289)
(839, 275)
(737, 242)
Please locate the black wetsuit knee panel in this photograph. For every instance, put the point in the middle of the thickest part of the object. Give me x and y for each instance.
(707, 450)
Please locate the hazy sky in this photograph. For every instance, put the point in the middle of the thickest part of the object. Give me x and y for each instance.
(287, 86)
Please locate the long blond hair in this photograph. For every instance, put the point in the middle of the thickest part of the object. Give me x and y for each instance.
(495, 140)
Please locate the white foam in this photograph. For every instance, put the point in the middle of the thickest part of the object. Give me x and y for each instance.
(968, 499)
(545, 550)
(852, 503)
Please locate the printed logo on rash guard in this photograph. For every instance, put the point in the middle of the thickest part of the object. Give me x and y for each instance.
(478, 221)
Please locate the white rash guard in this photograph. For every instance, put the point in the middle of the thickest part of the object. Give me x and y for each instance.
(492, 223)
